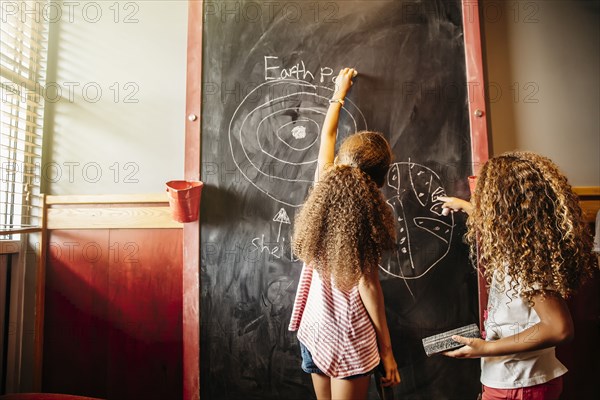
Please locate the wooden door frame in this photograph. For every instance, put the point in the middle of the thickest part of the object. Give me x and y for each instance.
(478, 120)
(191, 230)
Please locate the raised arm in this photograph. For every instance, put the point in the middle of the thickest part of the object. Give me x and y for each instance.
(372, 297)
(329, 130)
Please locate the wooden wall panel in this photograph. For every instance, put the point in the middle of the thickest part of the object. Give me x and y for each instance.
(113, 313)
(581, 358)
(589, 197)
(76, 314)
(145, 331)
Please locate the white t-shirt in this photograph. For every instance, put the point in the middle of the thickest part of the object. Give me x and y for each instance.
(508, 316)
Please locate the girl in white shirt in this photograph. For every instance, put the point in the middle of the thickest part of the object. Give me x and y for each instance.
(526, 227)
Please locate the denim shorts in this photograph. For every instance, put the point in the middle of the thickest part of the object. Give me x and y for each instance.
(309, 366)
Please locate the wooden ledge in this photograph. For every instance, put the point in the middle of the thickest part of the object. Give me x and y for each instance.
(108, 199)
(589, 197)
(122, 211)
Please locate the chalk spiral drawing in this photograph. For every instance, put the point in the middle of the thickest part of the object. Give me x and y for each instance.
(273, 137)
(424, 234)
(274, 132)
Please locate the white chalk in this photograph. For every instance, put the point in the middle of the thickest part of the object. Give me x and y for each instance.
(355, 73)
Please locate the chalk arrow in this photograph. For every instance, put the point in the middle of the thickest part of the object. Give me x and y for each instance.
(282, 218)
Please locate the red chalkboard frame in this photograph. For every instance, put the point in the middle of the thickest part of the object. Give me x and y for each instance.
(477, 107)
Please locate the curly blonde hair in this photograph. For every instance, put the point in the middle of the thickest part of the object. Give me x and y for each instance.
(345, 224)
(527, 223)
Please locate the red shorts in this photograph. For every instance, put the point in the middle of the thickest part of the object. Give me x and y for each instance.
(550, 390)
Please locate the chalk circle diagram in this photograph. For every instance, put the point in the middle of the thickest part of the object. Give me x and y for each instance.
(424, 234)
(274, 136)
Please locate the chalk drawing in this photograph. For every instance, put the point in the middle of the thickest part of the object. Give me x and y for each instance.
(424, 234)
(282, 218)
(274, 136)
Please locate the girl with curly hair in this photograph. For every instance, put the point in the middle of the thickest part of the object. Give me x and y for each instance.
(340, 233)
(526, 227)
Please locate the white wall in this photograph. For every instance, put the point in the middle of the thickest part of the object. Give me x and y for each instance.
(542, 63)
(115, 95)
(549, 50)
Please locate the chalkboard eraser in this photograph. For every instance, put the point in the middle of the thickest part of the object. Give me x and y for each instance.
(443, 341)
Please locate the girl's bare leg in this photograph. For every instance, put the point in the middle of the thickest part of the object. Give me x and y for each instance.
(322, 385)
(350, 389)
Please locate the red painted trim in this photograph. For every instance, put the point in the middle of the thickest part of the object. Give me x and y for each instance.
(191, 230)
(477, 107)
(475, 83)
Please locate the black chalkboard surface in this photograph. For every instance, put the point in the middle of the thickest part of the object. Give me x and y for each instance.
(267, 75)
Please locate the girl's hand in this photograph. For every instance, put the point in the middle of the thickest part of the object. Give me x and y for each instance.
(474, 348)
(343, 82)
(455, 204)
(392, 376)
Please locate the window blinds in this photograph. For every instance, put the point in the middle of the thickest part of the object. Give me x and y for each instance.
(23, 38)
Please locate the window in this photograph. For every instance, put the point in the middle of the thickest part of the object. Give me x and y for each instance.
(23, 38)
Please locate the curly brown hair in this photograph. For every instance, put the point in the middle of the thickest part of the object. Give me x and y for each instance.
(368, 151)
(345, 224)
(527, 223)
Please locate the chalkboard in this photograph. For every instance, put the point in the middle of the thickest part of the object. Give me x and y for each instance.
(267, 75)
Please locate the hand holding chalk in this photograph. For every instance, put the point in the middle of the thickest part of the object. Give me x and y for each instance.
(455, 204)
(354, 73)
(343, 82)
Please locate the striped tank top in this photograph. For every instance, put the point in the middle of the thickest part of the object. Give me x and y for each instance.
(335, 327)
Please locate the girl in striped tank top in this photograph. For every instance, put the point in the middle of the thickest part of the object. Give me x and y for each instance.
(340, 233)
